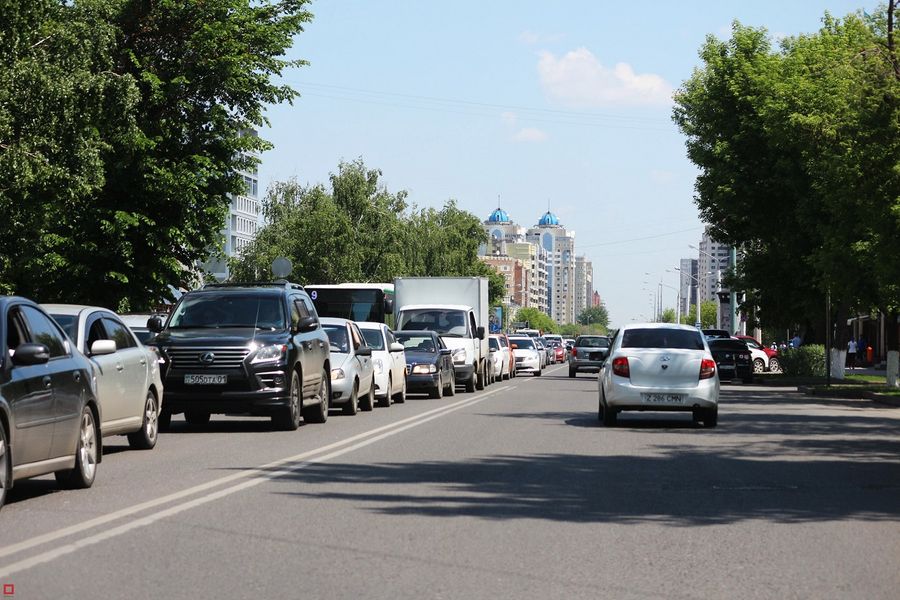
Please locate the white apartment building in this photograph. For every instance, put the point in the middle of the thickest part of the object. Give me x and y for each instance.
(560, 246)
(584, 284)
(714, 263)
(689, 275)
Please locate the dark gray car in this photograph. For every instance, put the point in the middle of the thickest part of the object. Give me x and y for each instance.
(588, 353)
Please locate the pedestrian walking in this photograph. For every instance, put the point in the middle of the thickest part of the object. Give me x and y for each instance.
(851, 354)
(796, 341)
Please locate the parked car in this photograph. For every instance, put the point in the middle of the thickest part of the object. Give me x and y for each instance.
(137, 323)
(48, 401)
(129, 384)
(527, 354)
(542, 351)
(559, 352)
(499, 358)
(511, 366)
(761, 363)
(429, 363)
(389, 361)
(659, 367)
(712, 334)
(352, 370)
(732, 358)
(250, 348)
(588, 353)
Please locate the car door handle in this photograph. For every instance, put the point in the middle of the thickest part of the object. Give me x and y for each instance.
(120, 367)
(47, 382)
(143, 362)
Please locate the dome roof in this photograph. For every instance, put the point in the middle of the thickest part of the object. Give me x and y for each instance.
(549, 219)
(499, 216)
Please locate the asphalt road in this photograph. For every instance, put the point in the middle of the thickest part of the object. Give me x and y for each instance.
(514, 492)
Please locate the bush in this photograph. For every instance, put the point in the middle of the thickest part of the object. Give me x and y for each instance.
(805, 361)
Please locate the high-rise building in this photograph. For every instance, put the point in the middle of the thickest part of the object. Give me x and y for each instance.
(688, 278)
(714, 263)
(241, 224)
(534, 261)
(560, 246)
(584, 284)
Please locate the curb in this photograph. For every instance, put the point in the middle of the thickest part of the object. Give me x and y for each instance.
(851, 394)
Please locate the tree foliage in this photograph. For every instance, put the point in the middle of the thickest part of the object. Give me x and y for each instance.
(358, 230)
(122, 128)
(799, 156)
(594, 315)
(709, 311)
(536, 319)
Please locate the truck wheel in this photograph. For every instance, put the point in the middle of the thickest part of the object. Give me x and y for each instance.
(470, 384)
(480, 380)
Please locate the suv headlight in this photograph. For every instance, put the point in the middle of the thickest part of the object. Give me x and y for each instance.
(424, 369)
(379, 365)
(337, 374)
(460, 355)
(271, 353)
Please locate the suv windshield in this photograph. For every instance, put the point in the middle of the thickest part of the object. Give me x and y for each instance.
(229, 310)
(450, 323)
(662, 338)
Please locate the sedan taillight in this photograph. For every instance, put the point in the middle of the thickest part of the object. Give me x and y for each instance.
(620, 367)
(574, 352)
(707, 368)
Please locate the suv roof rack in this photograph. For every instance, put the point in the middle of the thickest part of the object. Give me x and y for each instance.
(282, 283)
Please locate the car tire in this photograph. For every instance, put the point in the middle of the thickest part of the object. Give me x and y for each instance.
(774, 365)
(165, 420)
(437, 392)
(5, 466)
(288, 418)
(196, 417)
(610, 416)
(318, 413)
(470, 384)
(352, 405)
(758, 365)
(451, 387)
(368, 402)
(145, 437)
(572, 372)
(87, 454)
(711, 417)
(386, 401)
(480, 378)
(538, 373)
(400, 398)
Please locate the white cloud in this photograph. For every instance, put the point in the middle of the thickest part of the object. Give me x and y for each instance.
(579, 80)
(531, 38)
(530, 134)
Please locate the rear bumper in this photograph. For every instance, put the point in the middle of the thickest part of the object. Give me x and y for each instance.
(625, 396)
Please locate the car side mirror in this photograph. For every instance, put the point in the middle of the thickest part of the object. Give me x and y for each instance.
(445, 351)
(31, 354)
(364, 351)
(397, 347)
(100, 347)
(307, 323)
(155, 324)
(479, 332)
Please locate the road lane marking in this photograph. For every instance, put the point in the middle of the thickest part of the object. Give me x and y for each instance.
(257, 474)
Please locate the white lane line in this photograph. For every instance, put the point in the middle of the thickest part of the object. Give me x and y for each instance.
(261, 477)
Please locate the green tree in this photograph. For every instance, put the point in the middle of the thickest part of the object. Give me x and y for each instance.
(128, 121)
(708, 314)
(594, 315)
(668, 315)
(536, 319)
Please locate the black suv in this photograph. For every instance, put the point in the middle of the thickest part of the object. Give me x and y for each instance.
(252, 348)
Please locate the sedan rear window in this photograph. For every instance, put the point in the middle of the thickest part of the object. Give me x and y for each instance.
(592, 342)
(662, 338)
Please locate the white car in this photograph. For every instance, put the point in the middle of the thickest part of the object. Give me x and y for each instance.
(389, 361)
(352, 371)
(659, 367)
(499, 358)
(129, 385)
(526, 354)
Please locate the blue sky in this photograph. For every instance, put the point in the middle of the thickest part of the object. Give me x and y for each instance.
(564, 102)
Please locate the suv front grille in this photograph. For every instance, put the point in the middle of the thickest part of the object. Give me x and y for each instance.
(198, 357)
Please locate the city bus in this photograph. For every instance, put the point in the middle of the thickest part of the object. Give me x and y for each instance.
(355, 301)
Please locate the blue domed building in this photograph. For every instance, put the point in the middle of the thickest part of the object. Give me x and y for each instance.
(559, 244)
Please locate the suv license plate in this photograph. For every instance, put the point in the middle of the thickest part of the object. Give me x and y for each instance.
(663, 398)
(205, 379)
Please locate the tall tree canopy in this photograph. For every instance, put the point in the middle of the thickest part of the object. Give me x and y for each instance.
(123, 124)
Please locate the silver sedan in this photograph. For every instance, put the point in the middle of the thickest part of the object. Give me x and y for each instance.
(129, 386)
(659, 367)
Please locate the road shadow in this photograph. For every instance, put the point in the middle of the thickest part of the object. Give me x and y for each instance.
(26, 489)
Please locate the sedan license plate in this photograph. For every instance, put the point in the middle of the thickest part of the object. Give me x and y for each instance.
(663, 398)
(205, 379)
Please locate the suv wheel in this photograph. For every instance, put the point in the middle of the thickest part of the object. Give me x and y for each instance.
(318, 413)
(145, 437)
(288, 417)
(352, 406)
(758, 365)
(86, 455)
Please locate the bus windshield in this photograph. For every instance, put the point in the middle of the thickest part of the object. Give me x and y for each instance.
(355, 303)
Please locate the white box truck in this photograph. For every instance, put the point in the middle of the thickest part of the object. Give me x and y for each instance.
(456, 308)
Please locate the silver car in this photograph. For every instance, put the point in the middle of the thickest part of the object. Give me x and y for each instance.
(588, 353)
(129, 385)
(659, 367)
(352, 371)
